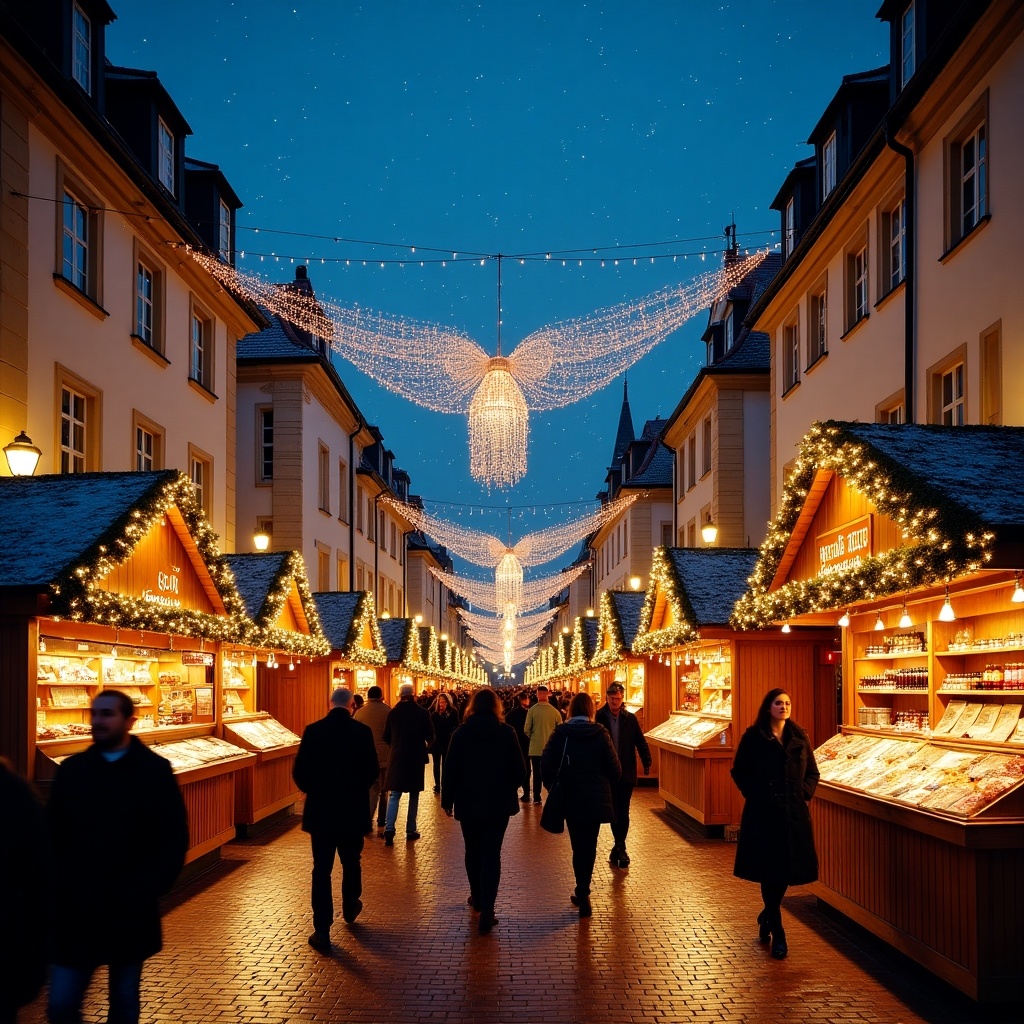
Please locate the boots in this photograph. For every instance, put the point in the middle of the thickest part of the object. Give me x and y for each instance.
(764, 930)
(618, 858)
(780, 950)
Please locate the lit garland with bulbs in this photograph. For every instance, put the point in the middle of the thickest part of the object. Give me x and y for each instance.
(683, 629)
(611, 627)
(534, 593)
(946, 539)
(446, 371)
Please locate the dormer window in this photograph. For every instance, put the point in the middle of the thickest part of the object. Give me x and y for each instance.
(81, 61)
(728, 331)
(224, 231)
(165, 156)
(908, 59)
(789, 236)
(828, 166)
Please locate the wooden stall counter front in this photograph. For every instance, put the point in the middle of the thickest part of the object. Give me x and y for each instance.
(264, 788)
(921, 841)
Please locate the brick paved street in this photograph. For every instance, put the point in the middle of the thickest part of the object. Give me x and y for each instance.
(672, 939)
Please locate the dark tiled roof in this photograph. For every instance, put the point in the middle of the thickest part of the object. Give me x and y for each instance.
(712, 580)
(49, 522)
(255, 575)
(394, 633)
(275, 342)
(337, 612)
(591, 634)
(656, 470)
(627, 607)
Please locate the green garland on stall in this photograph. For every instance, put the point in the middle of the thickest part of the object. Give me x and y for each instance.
(665, 578)
(950, 540)
(609, 620)
(293, 567)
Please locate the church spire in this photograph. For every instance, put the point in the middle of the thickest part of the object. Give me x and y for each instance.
(624, 436)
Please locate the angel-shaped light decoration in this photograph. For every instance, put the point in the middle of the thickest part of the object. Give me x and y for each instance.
(535, 592)
(442, 369)
(506, 631)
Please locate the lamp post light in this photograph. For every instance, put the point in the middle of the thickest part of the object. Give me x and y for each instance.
(709, 531)
(22, 455)
(634, 582)
(261, 541)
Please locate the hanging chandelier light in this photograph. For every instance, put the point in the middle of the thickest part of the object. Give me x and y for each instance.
(442, 369)
(535, 592)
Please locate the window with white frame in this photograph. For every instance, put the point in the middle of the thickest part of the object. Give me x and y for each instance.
(691, 459)
(789, 232)
(200, 361)
(343, 582)
(908, 58)
(706, 446)
(382, 529)
(145, 445)
(856, 283)
(224, 231)
(790, 355)
(81, 60)
(200, 472)
(729, 336)
(359, 511)
(75, 267)
(828, 166)
(894, 258)
(343, 512)
(74, 427)
(323, 567)
(265, 444)
(323, 477)
(165, 155)
(967, 167)
(817, 327)
(952, 385)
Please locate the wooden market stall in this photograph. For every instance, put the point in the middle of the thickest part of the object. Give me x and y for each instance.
(713, 677)
(114, 581)
(357, 652)
(912, 537)
(283, 659)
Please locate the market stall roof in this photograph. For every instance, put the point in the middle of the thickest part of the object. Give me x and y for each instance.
(618, 626)
(691, 588)
(278, 600)
(75, 540)
(395, 635)
(350, 625)
(950, 495)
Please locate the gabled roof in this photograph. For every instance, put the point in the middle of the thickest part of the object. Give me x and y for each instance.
(954, 493)
(273, 585)
(350, 625)
(656, 469)
(395, 635)
(620, 620)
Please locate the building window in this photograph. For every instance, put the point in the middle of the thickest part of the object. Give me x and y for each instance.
(382, 530)
(894, 254)
(666, 535)
(856, 284)
(343, 583)
(343, 512)
(75, 267)
(224, 231)
(691, 533)
(681, 468)
(323, 567)
(165, 155)
(908, 59)
(789, 231)
(200, 346)
(393, 534)
(200, 472)
(828, 166)
(691, 458)
(892, 410)
(992, 375)
(148, 443)
(952, 384)
(706, 446)
(74, 430)
(790, 356)
(81, 66)
(817, 327)
(729, 337)
(968, 169)
(359, 576)
(265, 445)
(323, 476)
(359, 512)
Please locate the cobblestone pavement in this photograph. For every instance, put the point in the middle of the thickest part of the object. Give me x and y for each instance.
(672, 939)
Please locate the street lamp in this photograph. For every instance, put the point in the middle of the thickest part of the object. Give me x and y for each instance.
(634, 582)
(709, 531)
(22, 455)
(261, 541)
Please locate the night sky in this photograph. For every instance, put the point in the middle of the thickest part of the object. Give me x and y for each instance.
(532, 126)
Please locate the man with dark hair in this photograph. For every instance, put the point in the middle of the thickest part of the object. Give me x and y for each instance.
(628, 741)
(335, 767)
(541, 721)
(374, 713)
(115, 812)
(408, 732)
(517, 719)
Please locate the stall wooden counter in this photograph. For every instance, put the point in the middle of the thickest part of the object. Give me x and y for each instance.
(265, 787)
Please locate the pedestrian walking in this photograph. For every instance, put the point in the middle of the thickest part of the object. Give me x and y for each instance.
(580, 754)
(445, 720)
(629, 743)
(483, 773)
(374, 713)
(516, 717)
(335, 767)
(118, 825)
(775, 771)
(408, 733)
(541, 721)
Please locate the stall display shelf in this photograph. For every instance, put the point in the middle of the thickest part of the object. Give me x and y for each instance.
(684, 729)
(263, 733)
(197, 752)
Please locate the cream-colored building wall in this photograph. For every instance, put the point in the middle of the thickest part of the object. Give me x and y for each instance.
(756, 469)
(640, 525)
(979, 285)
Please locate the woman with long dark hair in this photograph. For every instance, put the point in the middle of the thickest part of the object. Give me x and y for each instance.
(582, 751)
(775, 771)
(483, 774)
(445, 720)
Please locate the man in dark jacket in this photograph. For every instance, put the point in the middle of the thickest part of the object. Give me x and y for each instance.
(408, 732)
(335, 767)
(119, 828)
(517, 719)
(628, 741)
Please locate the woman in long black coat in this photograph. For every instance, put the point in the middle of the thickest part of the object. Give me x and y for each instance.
(775, 771)
(483, 773)
(445, 720)
(589, 769)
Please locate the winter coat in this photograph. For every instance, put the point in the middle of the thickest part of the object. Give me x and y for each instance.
(335, 767)
(590, 770)
(444, 725)
(484, 770)
(374, 713)
(517, 719)
(541, 721)
(119, 835)
(631, 742)
(408, 733)
(776, 844)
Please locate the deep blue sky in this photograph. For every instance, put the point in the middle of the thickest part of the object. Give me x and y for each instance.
(502, 127)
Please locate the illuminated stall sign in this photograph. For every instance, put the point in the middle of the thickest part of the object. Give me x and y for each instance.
(845, 547)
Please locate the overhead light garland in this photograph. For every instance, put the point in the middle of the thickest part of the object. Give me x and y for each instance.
(445, 370)
(534, 593)
(945, 540)
(680, 620)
